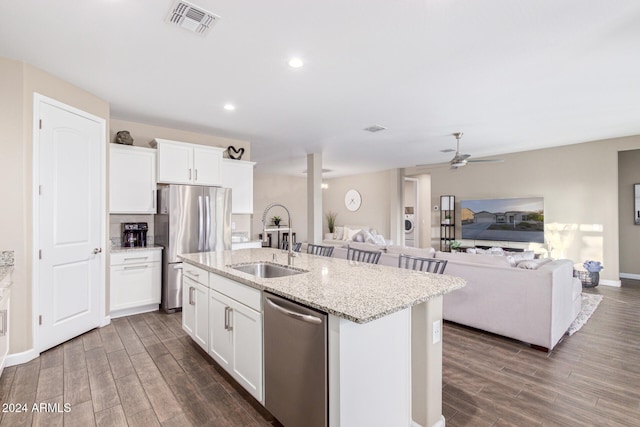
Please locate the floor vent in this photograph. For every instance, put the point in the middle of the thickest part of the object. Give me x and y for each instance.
(193, 18)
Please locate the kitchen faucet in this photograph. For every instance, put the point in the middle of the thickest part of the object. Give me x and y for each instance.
(290, 254)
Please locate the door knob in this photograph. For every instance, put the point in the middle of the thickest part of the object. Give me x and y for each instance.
(97, 250)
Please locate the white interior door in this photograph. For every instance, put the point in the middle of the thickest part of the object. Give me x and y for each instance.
(70, 219)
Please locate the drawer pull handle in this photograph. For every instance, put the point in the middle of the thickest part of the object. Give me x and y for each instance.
(137, 267)
(191, 273)
(132, 259)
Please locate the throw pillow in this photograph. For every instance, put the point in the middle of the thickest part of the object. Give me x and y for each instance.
(349, 233)
(533, 264)
(338, 233)
(362, 236)
(378, 239)
(515, 257)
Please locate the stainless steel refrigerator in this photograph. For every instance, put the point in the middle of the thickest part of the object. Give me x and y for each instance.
(190, 219)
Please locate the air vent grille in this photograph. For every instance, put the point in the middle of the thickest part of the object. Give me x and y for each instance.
(192, 18)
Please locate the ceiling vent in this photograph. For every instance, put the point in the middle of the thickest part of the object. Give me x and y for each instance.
(192, 18)
(375, 128)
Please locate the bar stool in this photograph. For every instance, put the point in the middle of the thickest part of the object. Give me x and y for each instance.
(319, 250)
(371, 257)
(284, 245)
(429, 265)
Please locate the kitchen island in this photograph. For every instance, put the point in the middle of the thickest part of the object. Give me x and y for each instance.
(385, 358)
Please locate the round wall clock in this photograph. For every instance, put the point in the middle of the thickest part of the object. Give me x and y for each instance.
(353, 200)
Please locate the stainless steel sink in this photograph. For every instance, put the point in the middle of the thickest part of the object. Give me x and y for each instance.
(267, 270)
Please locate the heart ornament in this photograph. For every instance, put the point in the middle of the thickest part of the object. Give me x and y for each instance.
(235, 154)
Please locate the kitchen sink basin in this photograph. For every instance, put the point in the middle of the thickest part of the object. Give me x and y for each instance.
(267, 270)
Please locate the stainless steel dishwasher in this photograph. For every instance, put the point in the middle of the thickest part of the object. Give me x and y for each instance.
(295, 363)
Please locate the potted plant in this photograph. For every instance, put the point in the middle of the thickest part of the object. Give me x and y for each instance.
(276, 220)
(593, 267)
(455, 245)
(447, 219)
(331, 220)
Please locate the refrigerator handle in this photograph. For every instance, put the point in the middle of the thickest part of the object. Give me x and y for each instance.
(207, 223)
(201, 242)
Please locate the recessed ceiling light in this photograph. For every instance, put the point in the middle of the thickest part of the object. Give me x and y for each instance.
(229, 107)
(296, 63)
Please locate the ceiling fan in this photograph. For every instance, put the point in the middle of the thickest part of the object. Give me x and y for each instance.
(459, 160)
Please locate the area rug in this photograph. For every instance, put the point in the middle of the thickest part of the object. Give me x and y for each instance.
(589, 304)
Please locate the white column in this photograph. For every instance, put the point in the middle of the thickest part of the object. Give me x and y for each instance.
(314, 198)
(426, 363)
(396, 218)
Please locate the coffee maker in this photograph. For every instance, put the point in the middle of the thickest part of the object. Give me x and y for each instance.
(134, 234)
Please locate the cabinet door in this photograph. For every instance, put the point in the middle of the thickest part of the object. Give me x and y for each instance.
(220, 337)
(201, 324)
(188, 305)
(247, 348)
(175, 162)
(238, 175)
(207, 165)
(135, 285)
(132, 180)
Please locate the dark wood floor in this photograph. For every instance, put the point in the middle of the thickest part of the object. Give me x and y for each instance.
(144, 371)
(590, 379)
(138, 371)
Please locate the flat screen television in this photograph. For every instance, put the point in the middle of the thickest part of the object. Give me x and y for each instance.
(509, 220)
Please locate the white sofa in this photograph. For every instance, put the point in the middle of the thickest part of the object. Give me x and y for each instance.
(534, 306)
(345, 234)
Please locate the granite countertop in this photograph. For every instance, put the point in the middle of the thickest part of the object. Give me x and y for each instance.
(6, 264)
(144, 248)
(5, 271)
(355, 291)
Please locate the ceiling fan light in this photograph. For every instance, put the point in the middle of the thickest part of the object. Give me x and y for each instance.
(459, 163)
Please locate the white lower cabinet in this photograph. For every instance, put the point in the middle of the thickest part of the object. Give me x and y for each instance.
(195, 311)
(135, 282)
(225, 318)
(235, 328)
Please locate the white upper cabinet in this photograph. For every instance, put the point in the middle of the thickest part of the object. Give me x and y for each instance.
(132, 180)
(238, 175)
(183, 163)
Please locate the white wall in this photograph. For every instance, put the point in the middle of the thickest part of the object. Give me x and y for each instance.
(629, 174)
(287, 190)
(579, 184)
(376, 201)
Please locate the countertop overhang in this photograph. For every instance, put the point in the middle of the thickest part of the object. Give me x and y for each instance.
(351, 290)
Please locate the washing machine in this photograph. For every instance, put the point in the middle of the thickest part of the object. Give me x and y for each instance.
(409, 230)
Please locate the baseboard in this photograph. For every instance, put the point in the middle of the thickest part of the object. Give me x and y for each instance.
(440, 423)
(630, 276)
(20, 358)
(105, 321)
(614, 283)
(134, 310)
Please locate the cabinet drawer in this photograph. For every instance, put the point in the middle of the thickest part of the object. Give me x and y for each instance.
(196, 273)
(136, 257)
(135, 285)
(244, 294)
